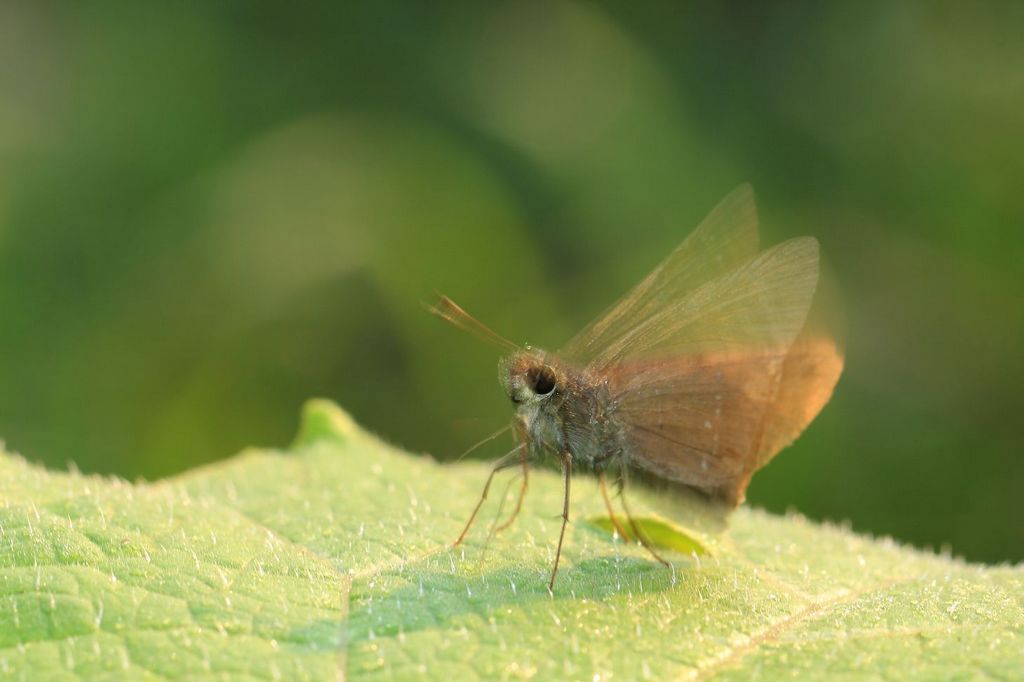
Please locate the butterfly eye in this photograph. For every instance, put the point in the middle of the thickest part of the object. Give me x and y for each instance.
(542, 381)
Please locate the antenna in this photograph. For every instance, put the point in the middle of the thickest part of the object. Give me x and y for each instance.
(448, 310)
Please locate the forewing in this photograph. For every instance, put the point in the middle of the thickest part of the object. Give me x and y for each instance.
(725, 238)
(763, 302)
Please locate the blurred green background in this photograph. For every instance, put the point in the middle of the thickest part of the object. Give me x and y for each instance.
(210, 212)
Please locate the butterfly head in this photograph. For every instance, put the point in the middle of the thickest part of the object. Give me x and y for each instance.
(529, 377)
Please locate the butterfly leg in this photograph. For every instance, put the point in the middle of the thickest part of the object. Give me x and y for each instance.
(522, 491)
(567, 473)
(492, 530)
(523, 452)
(504, 463)
(648, 545)
(611, 511)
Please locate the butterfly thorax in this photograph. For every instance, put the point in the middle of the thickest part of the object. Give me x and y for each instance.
(561, 408)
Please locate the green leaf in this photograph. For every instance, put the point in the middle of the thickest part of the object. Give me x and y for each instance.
(658, 531)
(333, 560)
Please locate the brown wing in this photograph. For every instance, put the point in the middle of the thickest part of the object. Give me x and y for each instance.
(711, 420)
(700, 356)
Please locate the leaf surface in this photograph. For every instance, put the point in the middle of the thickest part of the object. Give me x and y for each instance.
(332, 561)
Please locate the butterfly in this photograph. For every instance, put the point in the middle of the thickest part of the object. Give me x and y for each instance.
(699, 375)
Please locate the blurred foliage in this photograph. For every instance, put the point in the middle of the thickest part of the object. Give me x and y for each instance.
(211, 212)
